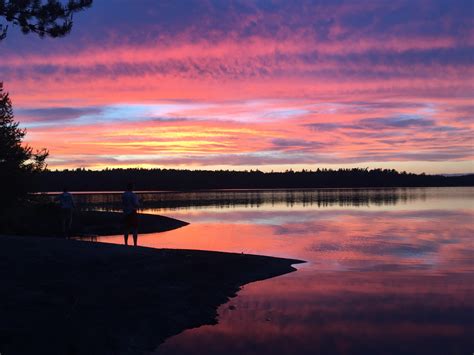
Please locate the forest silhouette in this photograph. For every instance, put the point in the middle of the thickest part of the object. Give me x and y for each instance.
(172, 179)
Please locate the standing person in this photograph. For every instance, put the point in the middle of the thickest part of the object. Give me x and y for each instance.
(130, 207)
(66, 202)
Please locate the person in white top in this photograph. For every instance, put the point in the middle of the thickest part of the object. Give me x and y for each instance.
(130, 204)
(66, 203)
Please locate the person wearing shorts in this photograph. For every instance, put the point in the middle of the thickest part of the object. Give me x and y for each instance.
(130, 207)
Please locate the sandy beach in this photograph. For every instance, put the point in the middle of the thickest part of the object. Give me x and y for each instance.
(73, 297)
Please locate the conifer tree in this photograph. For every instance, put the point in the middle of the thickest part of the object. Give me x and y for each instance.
(18, 162)
(46, 18)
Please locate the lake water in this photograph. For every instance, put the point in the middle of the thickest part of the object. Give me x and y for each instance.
(389, 271)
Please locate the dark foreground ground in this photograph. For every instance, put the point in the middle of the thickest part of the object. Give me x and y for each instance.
(72, 297)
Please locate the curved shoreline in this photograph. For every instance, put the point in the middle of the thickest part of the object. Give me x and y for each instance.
(66, 296)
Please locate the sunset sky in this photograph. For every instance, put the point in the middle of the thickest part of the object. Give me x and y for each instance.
(268, 85)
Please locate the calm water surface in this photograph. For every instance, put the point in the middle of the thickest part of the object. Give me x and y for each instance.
(389, 271)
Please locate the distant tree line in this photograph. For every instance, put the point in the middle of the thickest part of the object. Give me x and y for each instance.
(171, 179)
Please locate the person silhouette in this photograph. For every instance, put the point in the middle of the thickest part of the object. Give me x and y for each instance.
(66, 203)
(130, 206)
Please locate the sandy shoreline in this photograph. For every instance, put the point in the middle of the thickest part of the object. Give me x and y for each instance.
(72, 297)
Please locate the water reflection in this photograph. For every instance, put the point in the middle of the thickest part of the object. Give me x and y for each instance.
(378, 280)
(321, 313)
(258, 198)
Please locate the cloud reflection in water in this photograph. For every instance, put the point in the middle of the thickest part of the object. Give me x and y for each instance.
(379, 279)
